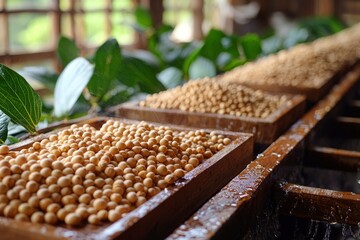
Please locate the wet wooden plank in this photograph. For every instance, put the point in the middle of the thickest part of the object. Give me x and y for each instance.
(333, 158)
(162, 213)
(320, 204)
(265, 130)
(231, 211)
(347, 126)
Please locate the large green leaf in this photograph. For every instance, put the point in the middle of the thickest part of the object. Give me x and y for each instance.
(107, 61)
(189, 60)
(202, 67)
(171, 77)
(134, 72)
(70, 85)
(67, 50)
(251, 45)
(18, 100)
(158, 40)
(143, 18)
(213, 44)
(4, 122)
(143, 55)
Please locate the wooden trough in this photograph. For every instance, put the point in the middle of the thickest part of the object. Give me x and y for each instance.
(162, 213)
(265, 130)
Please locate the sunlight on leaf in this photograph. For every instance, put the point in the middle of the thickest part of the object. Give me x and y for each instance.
(202, 67)
(70, 85)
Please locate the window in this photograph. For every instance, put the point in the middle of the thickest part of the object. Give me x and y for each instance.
(30, 29)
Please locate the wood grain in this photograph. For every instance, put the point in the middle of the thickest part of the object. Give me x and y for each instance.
(235, 207)
(265, 130)
(320, 204)
(162, 213)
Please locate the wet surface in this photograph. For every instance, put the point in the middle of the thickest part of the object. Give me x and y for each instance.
(248, 189)
(327, 179)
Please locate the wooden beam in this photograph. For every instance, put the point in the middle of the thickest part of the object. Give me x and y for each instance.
(198, 17)
(156, 8)
(320, 204)
(108, 22)
(324, 7)
(26, 57)
(5, 31)
(56, 30)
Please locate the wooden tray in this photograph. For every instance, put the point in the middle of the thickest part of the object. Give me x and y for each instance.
(320, 204)
(265, 130)
(162, 213)
(232, 211)
(312, 94)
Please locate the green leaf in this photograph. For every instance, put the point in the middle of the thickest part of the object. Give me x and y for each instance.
(143, 55)
(12, 140)
(15, 129)
(42, 75)
(189, 60)
(143, 18)
(70, 85)
(213, 44)
(67, 50)
(4, 122)
(233, 64)
(107, 61)
(18, 100)
(158, 40)
(202, 67)
(171, 77)
(134, 72)
(223, 59)
(295, 36)
(81, 105)
(251, 45)
(115, 99)
(271, 45)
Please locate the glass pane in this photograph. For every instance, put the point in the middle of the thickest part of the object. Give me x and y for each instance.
(64, 5)
(65, 25)
(175, 17)
(91, 4)
(30, 32)
(26, 4)
(123, 4)
(122, 28)
(95, 29)
(211, 14)
(176, 12)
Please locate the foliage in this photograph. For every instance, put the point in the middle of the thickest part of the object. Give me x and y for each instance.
(18, 100)
(70, 85)
(113, 75)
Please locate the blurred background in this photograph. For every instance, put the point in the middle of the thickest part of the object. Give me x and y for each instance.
(30, 29)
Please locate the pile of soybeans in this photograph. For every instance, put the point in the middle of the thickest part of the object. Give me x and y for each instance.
(306, 65)
(84, 175)
(211, 95)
